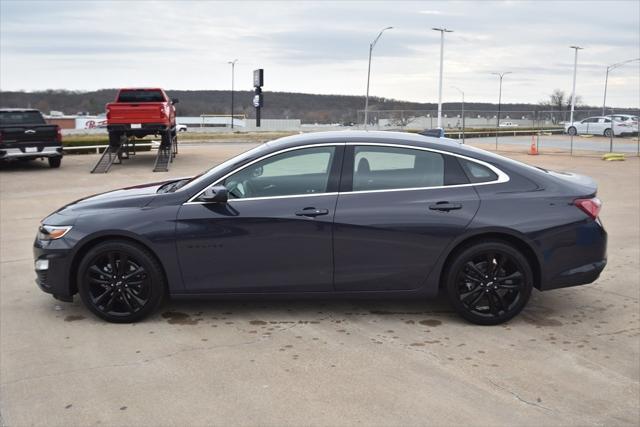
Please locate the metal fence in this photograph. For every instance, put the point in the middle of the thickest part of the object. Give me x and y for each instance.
(515, 130)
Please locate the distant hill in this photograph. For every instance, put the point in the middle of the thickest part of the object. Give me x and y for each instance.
(309, 108)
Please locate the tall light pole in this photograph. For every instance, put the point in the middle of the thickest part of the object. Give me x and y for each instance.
(501, 75)
(366, 99)
(573, 91)
(606, 79)
(462, 92)
(233, 74)
(442, 31)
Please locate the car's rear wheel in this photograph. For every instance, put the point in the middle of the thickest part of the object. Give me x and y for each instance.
(572, 131)
(607, 133)
(489, 283)
(54, 162)
(120, 281)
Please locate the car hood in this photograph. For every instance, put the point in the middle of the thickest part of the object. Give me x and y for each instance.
(136, 196)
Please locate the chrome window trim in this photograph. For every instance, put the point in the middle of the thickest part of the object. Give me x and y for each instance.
(502, 176)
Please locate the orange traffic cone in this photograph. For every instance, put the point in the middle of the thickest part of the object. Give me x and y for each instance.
(533, 150)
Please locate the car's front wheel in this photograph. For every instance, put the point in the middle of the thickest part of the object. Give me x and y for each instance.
(572, 131)
(120, 282)
(489, 283)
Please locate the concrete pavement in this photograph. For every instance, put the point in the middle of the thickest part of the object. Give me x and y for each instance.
(571, 358)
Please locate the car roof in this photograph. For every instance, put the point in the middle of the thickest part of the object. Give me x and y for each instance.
(392, 137)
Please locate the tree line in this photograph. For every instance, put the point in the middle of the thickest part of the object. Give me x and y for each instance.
(310, 108)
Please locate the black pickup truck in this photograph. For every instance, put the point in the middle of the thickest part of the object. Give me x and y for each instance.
(24, 135)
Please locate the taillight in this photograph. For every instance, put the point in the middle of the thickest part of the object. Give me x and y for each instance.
(108, 113)
(162, 112)
(589, 206)
(58, 134)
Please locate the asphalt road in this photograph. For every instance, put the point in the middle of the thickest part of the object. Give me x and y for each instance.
(571, 358)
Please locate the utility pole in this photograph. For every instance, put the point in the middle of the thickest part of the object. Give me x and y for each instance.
(462, 92)
(606, 79)
(233, 66)
(500, 75)
(573, 91)
(366, 99)
(442, 31)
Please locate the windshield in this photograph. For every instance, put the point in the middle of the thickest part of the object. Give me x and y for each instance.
(237, 160)
(140, 95)
(21, 118)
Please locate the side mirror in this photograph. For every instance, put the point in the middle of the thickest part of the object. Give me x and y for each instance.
(175, 100)
(215, 194)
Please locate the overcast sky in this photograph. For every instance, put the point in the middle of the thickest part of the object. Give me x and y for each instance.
(322, 47)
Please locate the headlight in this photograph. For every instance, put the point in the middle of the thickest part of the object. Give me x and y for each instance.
(52, 232)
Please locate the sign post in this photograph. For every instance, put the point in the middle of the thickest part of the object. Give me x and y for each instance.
(258, 100)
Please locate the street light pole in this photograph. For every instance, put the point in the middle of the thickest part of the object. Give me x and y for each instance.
(606, 79)
(442, 31)
(573, 91)
(500, 75)
(233, 66)
(366, 99)
(462, 92)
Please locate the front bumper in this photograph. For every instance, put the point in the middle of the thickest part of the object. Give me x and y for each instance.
(23, 152)
(52, 263)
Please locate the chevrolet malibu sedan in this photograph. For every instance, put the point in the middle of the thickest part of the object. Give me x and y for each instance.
(353, 213)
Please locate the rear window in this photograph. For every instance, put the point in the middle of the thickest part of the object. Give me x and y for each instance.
(140, 96)
(21, 118)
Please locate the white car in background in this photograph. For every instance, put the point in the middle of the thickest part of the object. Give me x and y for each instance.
(599, 125)
(508, 125)
(627, 122)
(181, 128)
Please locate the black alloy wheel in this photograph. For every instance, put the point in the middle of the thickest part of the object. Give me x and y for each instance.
(489, 283)
(120, 281)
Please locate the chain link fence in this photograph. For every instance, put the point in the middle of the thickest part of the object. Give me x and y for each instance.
(514, 131)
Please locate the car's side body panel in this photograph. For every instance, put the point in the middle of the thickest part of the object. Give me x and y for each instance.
(391, 240)
(256, 245)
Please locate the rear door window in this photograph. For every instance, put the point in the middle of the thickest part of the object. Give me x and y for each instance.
(140, 95)
(386, 168)
(476, 172)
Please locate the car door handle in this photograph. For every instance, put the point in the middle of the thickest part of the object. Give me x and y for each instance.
(445, 206)
(312, 212)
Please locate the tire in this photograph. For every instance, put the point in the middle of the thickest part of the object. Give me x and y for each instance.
(607, 133)
(474, 292)
(115, 138)
(54, 162)
(572, 131)
(114, 297)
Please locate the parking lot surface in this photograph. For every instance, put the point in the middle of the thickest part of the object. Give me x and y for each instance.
(571, 358)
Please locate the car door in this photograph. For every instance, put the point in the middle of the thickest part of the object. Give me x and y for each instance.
(273, 234)
(398, 208)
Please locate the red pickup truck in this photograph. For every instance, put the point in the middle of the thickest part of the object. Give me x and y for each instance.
(140, 112)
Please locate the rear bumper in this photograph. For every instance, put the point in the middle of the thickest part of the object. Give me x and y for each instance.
(582, 275)
(143, 130)
(24, 152)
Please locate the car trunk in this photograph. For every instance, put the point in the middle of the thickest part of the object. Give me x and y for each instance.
(144, 112)
(29, 133)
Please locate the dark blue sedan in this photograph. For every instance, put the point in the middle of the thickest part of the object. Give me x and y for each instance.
(337, 213)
